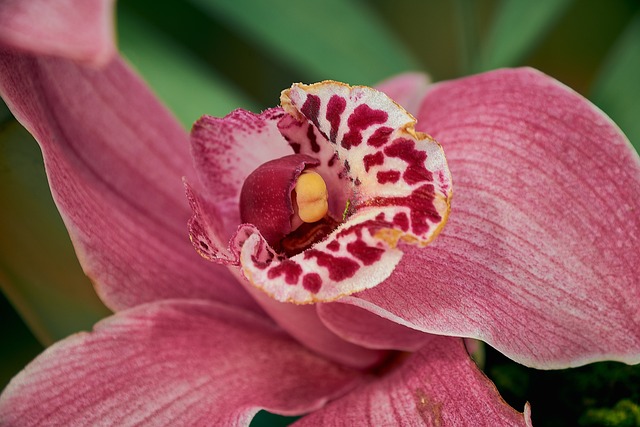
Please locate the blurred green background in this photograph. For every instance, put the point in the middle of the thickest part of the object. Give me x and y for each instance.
(209, 56)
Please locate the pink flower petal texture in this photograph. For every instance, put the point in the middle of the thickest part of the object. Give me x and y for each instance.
(172, 363)
(437, 386)
(539, 258)
(406, 89)
(75, 29)
(362, 327)
(115, 160)
(386, 184)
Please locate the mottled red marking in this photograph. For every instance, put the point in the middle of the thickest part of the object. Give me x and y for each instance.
(335, 108)
(261, 265)
(420, 203)
(404, 149)
(361, 118)
(442, 179)
(332, 160)
(339, 268)
(380, 216)
(311, 109)
(290, 269)
(295, 147)
(380, 136)
(371, 160)
(303, 237)
(401, 220)
(388, 176)
(312, 282)
(334, 246)
(371, 225)
(311, 135)
(365, 253)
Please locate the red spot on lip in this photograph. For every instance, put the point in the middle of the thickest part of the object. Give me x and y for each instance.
(312, 282)
(371, 225)
(361, 118)
(371, 160)
(295, 147)
(333, 246)
(290, 269)
(404, 149)
(312, 139)
(420, 203)
(401, 220)
(339, 268)
(332, 160)
(388, 176)
(311, 109)
(365, 253)
(335, 108)
(380, 136)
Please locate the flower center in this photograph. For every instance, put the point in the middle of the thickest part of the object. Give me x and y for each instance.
(288, 201)
(334, 217)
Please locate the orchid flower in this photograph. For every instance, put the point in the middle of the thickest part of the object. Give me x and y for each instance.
(540, 240)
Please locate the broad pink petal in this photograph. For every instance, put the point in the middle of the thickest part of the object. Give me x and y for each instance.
(406, 89)
(115, 160)
(362, 327)
(80, 30)
(303, 324)
(437, 386)
(172, 363)
(539, 258)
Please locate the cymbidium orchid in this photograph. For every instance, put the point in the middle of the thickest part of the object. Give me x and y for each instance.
(311, 287)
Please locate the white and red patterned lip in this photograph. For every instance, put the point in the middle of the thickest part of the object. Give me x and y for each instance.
(387, 184)
(398, 189)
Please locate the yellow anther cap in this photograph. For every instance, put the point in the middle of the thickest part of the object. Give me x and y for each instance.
(311, 197)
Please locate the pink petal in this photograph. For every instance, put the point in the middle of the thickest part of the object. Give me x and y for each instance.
(440, 385)
(406, 89)
(75, 29)
(362, 327)
(539, 258)
(303, 324)
(115, 160)
(172, 363)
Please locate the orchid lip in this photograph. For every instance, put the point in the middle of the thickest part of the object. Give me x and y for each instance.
(386, 184)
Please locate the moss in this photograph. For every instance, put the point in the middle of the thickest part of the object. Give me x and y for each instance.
(624, 414)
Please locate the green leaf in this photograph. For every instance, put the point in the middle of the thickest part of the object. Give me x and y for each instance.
(39, 272)
(516, 30)
(178, 78)
(616, 89)
(332, 39)
(624, 414)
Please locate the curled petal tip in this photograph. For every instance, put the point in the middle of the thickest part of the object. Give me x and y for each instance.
(78, 30)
